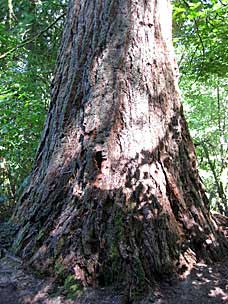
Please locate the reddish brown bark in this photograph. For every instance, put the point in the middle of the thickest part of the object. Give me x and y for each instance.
(115, 193)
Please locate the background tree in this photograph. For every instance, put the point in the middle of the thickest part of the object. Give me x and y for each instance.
(115, 193)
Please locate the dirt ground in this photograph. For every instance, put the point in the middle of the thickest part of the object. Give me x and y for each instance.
(204, 285)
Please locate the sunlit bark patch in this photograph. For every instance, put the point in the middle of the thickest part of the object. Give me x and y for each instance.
(115, 195)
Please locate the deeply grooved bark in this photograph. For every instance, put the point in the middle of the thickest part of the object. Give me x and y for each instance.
(115, 194)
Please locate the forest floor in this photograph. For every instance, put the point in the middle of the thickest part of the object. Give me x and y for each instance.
(205, 284)
(202, 284)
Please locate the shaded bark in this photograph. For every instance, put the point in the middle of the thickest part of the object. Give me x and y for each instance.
(115, 193)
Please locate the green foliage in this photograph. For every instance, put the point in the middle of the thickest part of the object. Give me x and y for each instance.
(200, 34)
(206, 110)
(21, 120)
(66, 284)
(30, 37)
(200, 31)
(72, 287)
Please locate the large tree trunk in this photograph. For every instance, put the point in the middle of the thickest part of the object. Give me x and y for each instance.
(115, 193)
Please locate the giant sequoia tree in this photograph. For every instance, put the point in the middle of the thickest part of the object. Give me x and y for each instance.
(114, 192)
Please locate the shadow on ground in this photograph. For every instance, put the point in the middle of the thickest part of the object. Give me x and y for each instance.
(206, 284)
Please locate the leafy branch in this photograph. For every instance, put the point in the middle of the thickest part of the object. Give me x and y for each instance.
(222, 3)
(29, 40)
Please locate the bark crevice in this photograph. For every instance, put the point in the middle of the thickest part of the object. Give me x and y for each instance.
(115, 194)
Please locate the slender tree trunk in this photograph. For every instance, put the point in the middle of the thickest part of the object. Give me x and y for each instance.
(115, 193)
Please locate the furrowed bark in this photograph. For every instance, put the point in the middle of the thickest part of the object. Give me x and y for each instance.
(115, 193)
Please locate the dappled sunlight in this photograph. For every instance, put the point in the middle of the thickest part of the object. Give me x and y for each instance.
(115, 194)
(218, 292)
(203, 284)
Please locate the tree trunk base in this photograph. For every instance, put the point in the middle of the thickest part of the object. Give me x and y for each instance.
(115, 194)
(114, 241)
